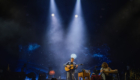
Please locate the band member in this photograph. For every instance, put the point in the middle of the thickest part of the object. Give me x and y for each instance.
(105, 67)
(70, 73)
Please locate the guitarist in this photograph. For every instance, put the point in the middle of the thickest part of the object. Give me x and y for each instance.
(70, 73)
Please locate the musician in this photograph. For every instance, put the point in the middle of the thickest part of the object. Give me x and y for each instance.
(70, 73)
(105, 67)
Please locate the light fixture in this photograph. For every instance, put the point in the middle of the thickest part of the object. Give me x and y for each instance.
(76, 16)
(52, 14)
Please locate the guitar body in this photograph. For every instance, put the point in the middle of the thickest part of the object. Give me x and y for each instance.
(71, 67)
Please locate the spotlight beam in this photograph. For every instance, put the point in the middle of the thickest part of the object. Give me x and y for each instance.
(54, 36)
(76, 31)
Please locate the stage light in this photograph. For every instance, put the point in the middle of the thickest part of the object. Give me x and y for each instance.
(52, 72)
(76, 16)
(76, 37)
(52, 14)
(73, 56)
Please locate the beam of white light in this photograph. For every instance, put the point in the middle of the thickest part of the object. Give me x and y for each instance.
(78, 9)
(52, 6)
(55, 33)
(76, 32)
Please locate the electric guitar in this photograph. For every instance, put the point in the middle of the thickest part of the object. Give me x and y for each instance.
(71, 67)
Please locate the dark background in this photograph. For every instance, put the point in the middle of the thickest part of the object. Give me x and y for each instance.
(112, 22)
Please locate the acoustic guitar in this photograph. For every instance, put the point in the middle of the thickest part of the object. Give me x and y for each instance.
(71, 67)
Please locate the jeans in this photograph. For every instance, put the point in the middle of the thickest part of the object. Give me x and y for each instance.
(70, 75)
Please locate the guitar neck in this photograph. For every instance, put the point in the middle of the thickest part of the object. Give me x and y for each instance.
(74, 65)
(77, 64)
